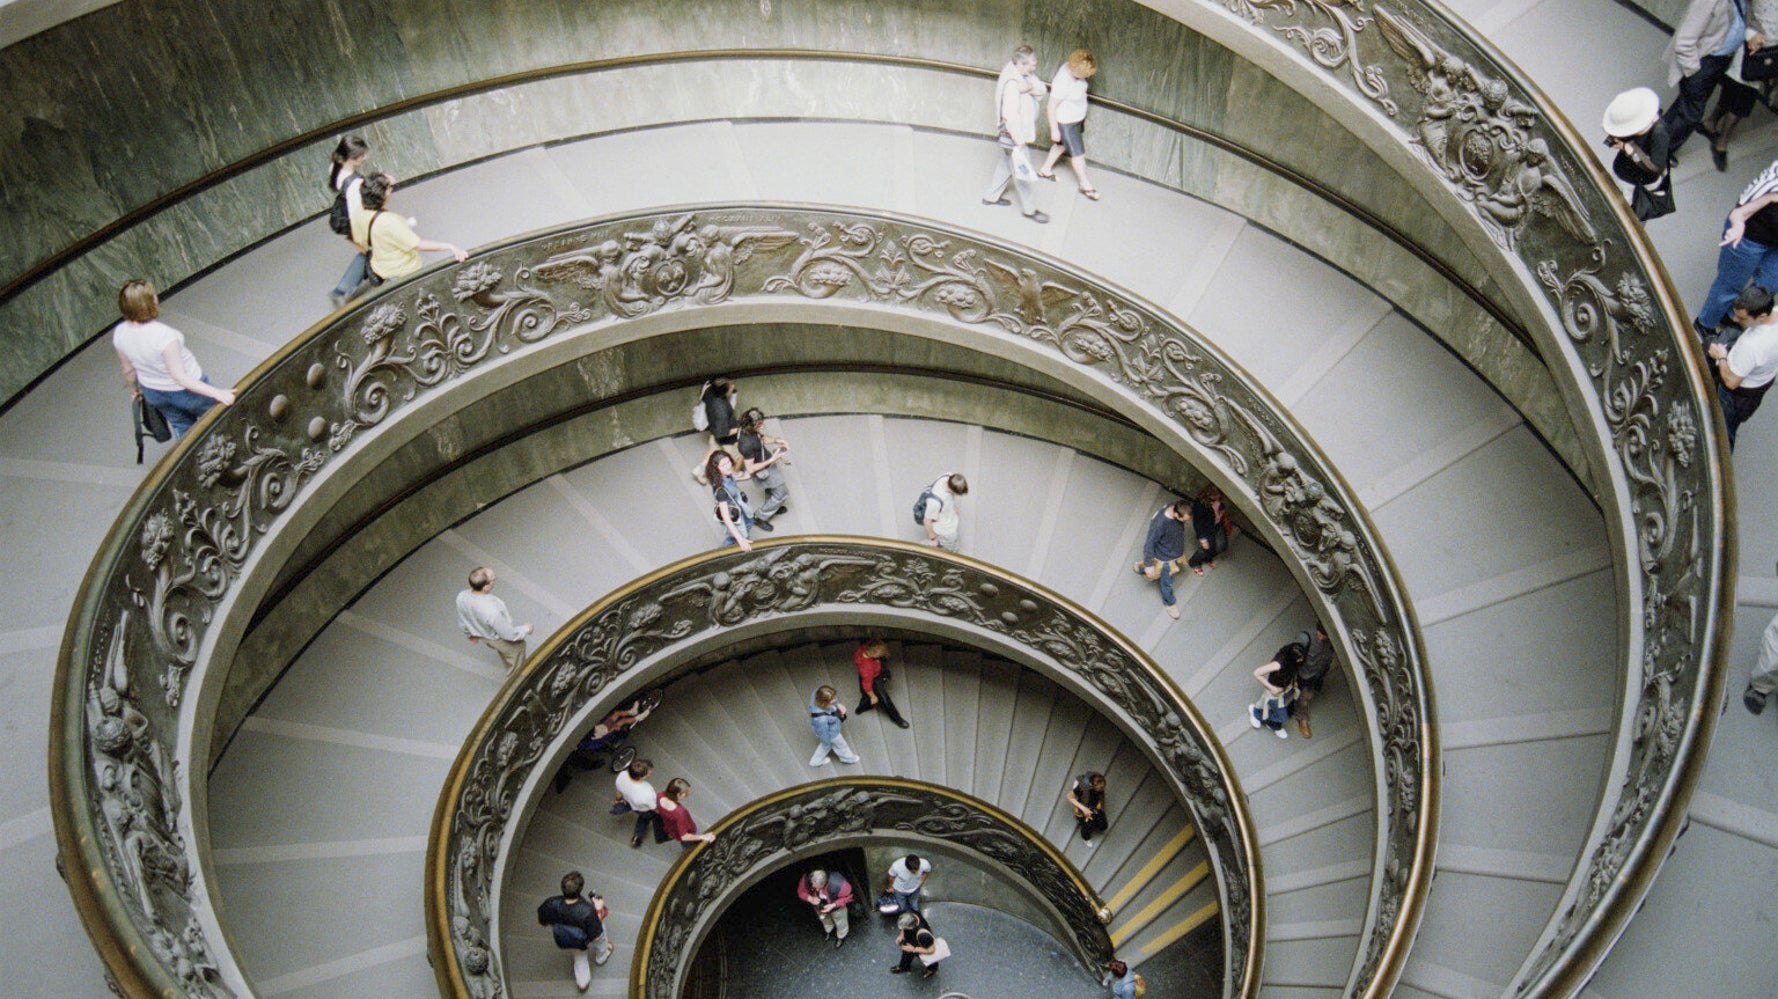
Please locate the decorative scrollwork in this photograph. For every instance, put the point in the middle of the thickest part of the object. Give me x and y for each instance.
(781, 829)
(1332, 45)
(782, 579)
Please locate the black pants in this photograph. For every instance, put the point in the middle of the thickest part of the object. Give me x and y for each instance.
(1688, 107)
(1090, 826)
(882, 687)
(1219, 543)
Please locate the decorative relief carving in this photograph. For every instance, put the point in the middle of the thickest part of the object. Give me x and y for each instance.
(1478, 136)
(137, 806)
(775, 834)
(196, 535)
(1332, 45)
(788, 579)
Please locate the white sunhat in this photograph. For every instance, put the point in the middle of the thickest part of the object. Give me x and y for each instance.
(1632, 112)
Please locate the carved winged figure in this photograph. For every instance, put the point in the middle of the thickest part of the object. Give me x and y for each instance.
(724, 247)
(1035, 294)
(1536, 184)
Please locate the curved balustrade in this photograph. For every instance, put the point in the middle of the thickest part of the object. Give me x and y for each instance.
(1522, 176)
(770, 833)
(200, 541)
(644, 634)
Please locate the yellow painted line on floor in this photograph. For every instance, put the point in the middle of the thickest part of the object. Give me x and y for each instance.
(1190, 923)
(1160, 905)
(1150, 869)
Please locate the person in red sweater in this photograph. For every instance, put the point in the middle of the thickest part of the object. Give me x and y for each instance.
(828, 893)
(675, 819)
(873, 679)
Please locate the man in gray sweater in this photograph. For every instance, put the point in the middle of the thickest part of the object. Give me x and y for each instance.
(483, 618)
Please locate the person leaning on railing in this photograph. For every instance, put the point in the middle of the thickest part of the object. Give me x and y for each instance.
(394, 246)
(156, 363)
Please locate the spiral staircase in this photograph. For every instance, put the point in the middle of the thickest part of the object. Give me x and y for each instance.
(319, 807)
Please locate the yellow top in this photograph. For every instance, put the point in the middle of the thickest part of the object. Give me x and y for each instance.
(394, 246)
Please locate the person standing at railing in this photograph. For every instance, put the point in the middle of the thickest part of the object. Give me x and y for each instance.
(1212, 526)
(156, 363)
(1702, 49)
(1738, 91)
(1317, 662)
(1644, 159)
(675, 819)
(1744, 363)
(577, 923)
(484, 618)
(390, 238)
(1279, 679)
(936, 510)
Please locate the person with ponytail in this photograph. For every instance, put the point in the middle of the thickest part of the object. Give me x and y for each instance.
(343, 182)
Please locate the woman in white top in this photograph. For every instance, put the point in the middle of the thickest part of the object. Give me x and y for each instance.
(1068, 115)
(156, 364)
(344, 180)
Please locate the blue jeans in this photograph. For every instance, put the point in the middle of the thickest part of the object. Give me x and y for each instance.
(354, 276)
(181, 407)
(1167, 597)
(910, 901)
(1735, 266)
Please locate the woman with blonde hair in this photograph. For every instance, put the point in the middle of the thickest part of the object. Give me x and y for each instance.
(1068, 117)
(156, 363)
(825, 716)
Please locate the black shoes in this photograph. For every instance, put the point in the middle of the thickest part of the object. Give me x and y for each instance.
(635, 842)
(764, 525)
(904, 723)
(898, 970)
(1754, 700)
(839, 942)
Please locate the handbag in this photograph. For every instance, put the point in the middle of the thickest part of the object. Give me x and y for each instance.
(940, 951)
(888, 904)
(1652, 202)
(149, 423)
(1757, 67)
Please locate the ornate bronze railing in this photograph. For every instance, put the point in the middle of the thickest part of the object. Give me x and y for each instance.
(645, 634)
(1517, 171)
(197, 544)
(774, 831)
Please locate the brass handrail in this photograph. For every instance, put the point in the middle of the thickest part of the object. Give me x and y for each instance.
(641, 635)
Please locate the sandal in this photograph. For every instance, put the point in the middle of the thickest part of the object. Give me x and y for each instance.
(1046, 176)
(1090, 193)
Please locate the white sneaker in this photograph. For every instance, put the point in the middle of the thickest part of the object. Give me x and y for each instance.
(818, 763)
(1090, 843)
(1252, 718)
(852, 760)
(583, 973)
(1282, 734)
(609, 948)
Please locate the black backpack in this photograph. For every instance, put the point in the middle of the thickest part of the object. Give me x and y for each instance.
(920, 506)
(339, 217)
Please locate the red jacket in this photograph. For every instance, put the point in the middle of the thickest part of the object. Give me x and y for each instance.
(838, 890)
(868, 670)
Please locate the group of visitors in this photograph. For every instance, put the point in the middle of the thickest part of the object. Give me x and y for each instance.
(1164, 549)
(1725, 49)
(1017, 93)
(1292, 680)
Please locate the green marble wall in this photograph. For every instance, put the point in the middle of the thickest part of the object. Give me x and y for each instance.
(106, 113)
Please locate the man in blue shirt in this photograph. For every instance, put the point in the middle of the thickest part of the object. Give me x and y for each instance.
(1164, 548)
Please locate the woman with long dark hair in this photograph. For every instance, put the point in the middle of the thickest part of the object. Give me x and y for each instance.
(343, 182)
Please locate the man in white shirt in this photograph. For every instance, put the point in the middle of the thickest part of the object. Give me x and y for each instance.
(633, 789)
(1016, 94)
(942, 521)
(1745, 370)
(483, 618)
(906, 876)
